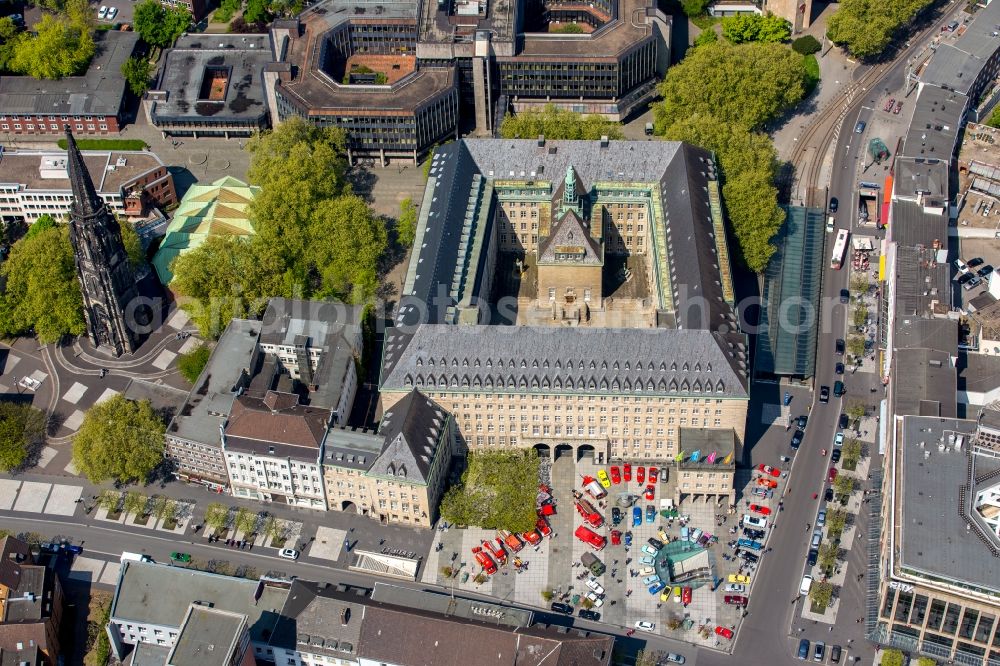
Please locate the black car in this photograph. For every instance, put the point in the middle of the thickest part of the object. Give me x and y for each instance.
(797, 439)
(803, 419)
(752, 533)
(616, 515)
(835, 654)
(749, 557)
(561, 608)
(843, 421)
(834, 204)
(655, 543)
(845, 296)
(590, 615)
(964, 277)
(984, 271)
(828, 495)
(839, 346)
(824, 394)
(839, 368)
(812, 557)
(835, 456)
(975, 261)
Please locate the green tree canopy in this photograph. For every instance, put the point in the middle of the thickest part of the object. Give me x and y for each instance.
(159, 25)
(693, 8)
(866, 27)
(193, 362)
(226, 277)
(497, 491)
(806, 45)
(821, 593)
(120, 440)
(756, 28)
(257, 11)
(556, 123)
(137, 73)
(347, 239)
(42, 292)
(9, 36)
(62, 46)
(892, 658)
(43, 223)
(708, 36)
(22, 427)
(406, 225)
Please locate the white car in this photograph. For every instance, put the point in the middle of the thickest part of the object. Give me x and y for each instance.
(838, 439)
(649, 550)
(646, 560)
(675, 658)
(644, 625)
(646, 571)
(102, 13)
(736, 588)
(595, 586)
(596, 598)
(289, 553)
(112, 13)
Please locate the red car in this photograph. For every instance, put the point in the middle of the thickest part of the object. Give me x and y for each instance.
(652, 475)
(543, 528)
(832, 475)
(616, 476)
(725, 632)
(763, 510)
(767, 483)
(485, 561)
(650, 492)
(767, 469)
(640, 475)
(736, 600)
(533, 537)
(589, 536)
(686, 596)
(898, 108)
(496, 550)
(547, 510)
(627, 472)
(616, 537)
(888, 105)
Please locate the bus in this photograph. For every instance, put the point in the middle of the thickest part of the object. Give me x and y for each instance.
(839, 248)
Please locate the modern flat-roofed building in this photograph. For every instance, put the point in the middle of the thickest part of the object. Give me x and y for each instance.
(93, 103)
(211, 85)
(35, 183)
(546, 285)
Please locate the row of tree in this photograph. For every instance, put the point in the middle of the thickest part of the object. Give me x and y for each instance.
(314, 237)
(867, 27)
(556, 123)
(719, 97)
(62, 43)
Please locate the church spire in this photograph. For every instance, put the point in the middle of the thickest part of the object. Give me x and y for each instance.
(86, 203)
(569, 190)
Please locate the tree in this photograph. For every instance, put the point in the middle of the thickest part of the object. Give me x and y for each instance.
(245, 522)
(828, 552)
(806, 45)
(227, 277)
(859, 285)
(892, 658)
(926, 661)
(109, 500)
(860, 315)
(43, 223)
(119, 439)
(855, 410)
(216, 516)
(708, 36)
(647, 658)
(22, 428)
(62, 45)
(164, 508)
(406, 225)
(257, 12)
(10, 34)
(347, 241)
(42, 292)
(497, 491)
(547, 594)
(556, 123)
(159, 25)
(694, 8)
(836, 521)
(132, 243)
(866, 28)
(756, 28)
(820, 594)
(137, 74)
(856, 346)
(852, 452)
(844, 486)
(193, 362)
(134, 502)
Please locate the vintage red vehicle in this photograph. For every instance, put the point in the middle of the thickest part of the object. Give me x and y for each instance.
(590, 537)
(640, 475)
(543, 528)
(485, 561)
(587, 510)
(627, 472)
(496, 550)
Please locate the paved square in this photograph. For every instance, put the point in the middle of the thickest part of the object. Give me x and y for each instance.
(107, 395)
(12, 361)
(74, 393)
(74, 421)
(86, 569)
(62, 500)
(178, 320)
(8, 493)
(328, 543)
(164, 360)
(111, 571)
(46, 455)
(189, 345)
(32, 496)
(770, 413)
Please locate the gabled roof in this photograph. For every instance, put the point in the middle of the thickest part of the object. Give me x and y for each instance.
(13, 554)
(411, 428)
(570, 236)
(273, 421)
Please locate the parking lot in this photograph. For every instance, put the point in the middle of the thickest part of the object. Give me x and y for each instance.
(697, 572)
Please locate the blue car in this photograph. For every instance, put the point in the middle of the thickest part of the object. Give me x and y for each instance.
(636, 516)
(650, 513)
(628, 538)
(749, 543)
(656, 588)
(803, 649)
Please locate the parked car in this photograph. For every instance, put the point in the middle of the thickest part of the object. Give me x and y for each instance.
(835, 654)
(824, 394)
(984, 271)
(650, 493)
(975, 261)
(860, 127)
(180, 557)
(804, 649)
(739, 578)
(766, 482)
(843, 422)
(532, 537)
(627, 472)
(735, 588)
(839, 346)
(835, 456)
(845, 296)
(649, 550)
(102, 13)
(644, 625)
(675, 658)
(112, 13)
(636, 516)
(802, 421)
(655, 543)
(595, 586)
(765, 493)
(650, 513)
(812, 557)
(891, 103)
(640, 475)
(616, 515)
(805, 585)
(839, 389)
(821, 518)
(590, 615)
(754, 521)
(628, 539)
(657, 587)
(834, 204)
(797, 439)
(616, 538)
(763, 510)
(964, 278)
(838, 369)
(602, 476)
(898, 108)
(838, 439)
(652, 474)
(828, 494)
(647, 571)
(289, 553)
(616, 476)
(725, 632)
(972, 284)
(543, 528)
(735, 600)
(832, 474)
(686, 593)
(767, 469)
(561, 608)
(596, 599)
(817, 538)
(819, 651)
(646, 559)
(650, 580)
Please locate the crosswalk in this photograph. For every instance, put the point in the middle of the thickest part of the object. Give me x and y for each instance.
(51, 499)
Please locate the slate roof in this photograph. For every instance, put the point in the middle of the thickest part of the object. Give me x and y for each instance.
(314, 616)
(13, 554)
(570, 235)
(539, 359)
(926, 383)
(99, 92)
(411, 428)
(276, 421)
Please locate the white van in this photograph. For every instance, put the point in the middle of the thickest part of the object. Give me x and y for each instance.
(960, 266)
(754, 521)
(806, 585)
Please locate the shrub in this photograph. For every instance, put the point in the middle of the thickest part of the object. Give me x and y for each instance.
(806, 45)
